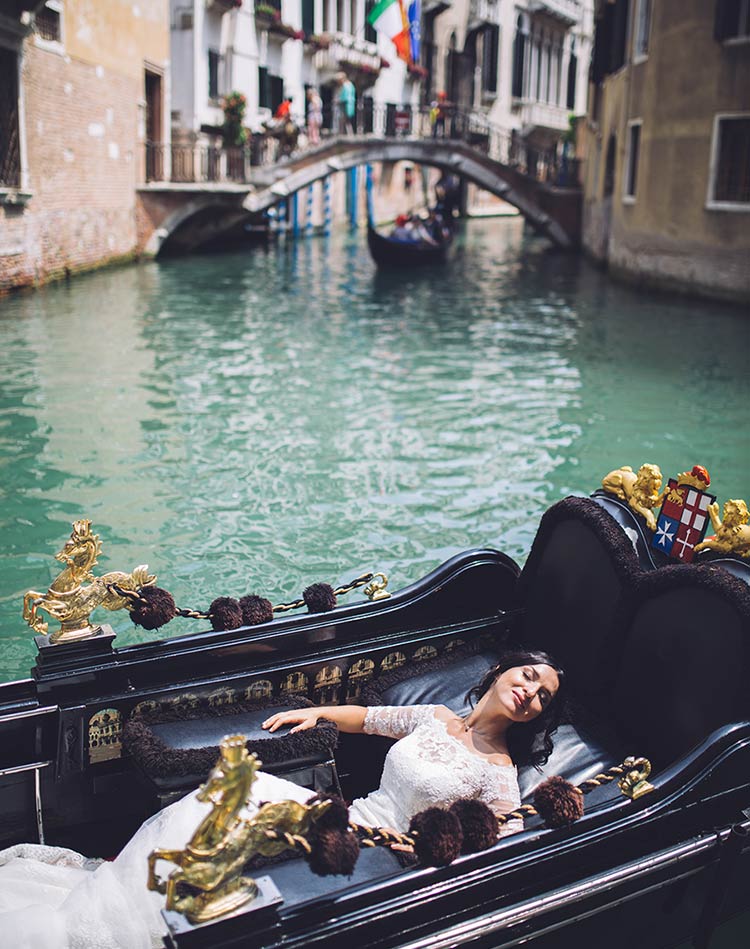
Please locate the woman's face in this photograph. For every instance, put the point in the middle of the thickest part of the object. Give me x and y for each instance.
(525, 691)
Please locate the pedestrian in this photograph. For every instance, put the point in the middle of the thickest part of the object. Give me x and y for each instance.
(438, 110)
(314, 115)
(346, 101)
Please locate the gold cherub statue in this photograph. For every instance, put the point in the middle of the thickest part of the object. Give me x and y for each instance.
(642, 491)
(732, 533)
(75, 593)
(208, 879)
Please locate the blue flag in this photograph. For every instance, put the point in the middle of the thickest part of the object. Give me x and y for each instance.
(415, 15)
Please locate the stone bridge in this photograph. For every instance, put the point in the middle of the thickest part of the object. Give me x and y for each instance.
(209, 209)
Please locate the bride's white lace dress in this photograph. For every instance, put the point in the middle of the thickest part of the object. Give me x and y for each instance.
(52, 898)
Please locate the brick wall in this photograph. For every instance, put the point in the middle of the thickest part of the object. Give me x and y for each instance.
(84, 158)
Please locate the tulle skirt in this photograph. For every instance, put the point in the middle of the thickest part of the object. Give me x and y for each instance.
(53, 898)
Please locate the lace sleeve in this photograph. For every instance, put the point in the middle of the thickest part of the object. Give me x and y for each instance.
(396, 721)
(503, 797)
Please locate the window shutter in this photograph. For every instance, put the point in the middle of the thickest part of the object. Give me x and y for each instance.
(726, 19)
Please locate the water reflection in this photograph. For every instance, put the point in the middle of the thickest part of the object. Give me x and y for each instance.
(252, 422)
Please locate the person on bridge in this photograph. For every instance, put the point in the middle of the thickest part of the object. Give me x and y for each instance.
(314, 115)
(347, 103)
(438, 111)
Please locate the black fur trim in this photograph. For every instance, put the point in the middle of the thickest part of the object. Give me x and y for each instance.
(158, 760)
(613, 538)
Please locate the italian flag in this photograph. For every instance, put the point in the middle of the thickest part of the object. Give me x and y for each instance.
(389, 17)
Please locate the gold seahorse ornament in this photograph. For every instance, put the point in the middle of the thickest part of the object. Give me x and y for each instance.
(75, 593)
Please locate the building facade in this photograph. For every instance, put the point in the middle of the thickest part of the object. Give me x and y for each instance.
(522, 64)
(667, 145)
(274, 50)
(82, 86)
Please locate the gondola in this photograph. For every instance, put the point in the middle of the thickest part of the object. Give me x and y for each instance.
(657, 658)
(388, 251)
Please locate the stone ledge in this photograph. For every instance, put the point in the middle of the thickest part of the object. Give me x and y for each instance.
(15, 196)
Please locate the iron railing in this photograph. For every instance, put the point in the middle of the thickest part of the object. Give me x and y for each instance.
(205, 163)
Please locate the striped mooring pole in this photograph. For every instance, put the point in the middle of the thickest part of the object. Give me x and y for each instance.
(309, 216)
(327, 205)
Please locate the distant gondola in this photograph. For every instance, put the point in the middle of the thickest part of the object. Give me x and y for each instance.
(391, 252)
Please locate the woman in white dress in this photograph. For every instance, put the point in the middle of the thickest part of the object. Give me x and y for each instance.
(52, 898)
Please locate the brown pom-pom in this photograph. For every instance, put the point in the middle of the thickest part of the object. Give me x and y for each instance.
(255, 610)
(478, 824)
(336, 817)
(153, 608)
(333, 852)
(319, 597)
(558, 802)
(225, 613)
(438, 836)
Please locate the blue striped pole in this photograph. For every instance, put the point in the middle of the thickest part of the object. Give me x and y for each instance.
(309, 220)
(353, 196)
(368, 192)
(327, 205)
(295, 215)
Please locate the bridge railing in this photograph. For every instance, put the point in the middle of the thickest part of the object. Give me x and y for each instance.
(282, 140)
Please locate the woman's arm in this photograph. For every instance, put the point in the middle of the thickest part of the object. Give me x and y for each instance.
(349, 718)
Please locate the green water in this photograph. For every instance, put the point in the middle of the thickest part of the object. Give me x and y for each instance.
(255, 421)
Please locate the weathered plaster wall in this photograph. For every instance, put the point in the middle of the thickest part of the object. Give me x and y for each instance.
(83, 114)
(667, 236)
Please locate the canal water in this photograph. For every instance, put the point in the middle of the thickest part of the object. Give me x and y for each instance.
(256, 421)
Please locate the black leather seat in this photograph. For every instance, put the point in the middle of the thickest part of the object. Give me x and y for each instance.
(175, 748)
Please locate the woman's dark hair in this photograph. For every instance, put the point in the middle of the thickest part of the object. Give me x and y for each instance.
(528, 742)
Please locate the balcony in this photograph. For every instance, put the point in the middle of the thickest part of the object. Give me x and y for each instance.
(567, 12)
(343, 49)
(483, 11)
(542, 115)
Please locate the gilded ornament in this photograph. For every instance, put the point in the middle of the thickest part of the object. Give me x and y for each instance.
(641, 491)
(633, 784)
(732, 533)
(75, 593)
(376, 588)
(208, 880)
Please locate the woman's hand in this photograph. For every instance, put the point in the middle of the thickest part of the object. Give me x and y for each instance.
(301, 718)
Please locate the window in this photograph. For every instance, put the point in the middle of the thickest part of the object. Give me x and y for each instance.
(519, 55)
(609, 167)
(490, 44)
(729, 178)
(48, 23)
(370, 33)
(308, 17)
(10, 146)
(570, 102)
(214, 63)
(642, 29)
(732, 21)
(631, 170)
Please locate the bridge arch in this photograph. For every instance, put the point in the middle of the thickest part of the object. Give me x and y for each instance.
(167, 209)
(550, 210)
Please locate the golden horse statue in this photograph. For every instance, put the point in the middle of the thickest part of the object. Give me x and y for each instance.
(76, 592)
(208, 881)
